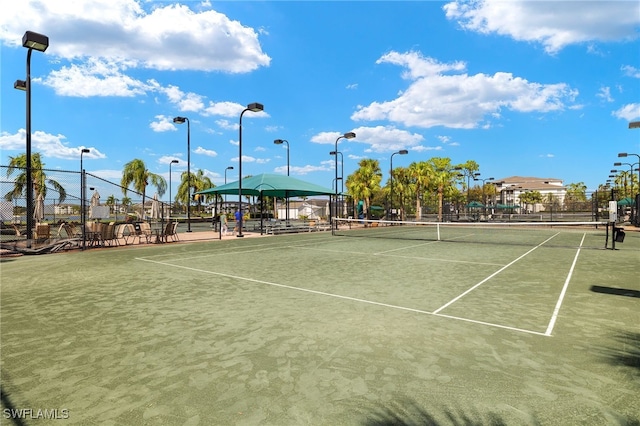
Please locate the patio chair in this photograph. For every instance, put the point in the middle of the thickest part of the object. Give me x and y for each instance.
(109, 234)
(174, 232)
(42, 232)
(145, 232)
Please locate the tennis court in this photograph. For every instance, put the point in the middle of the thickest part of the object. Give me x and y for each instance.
(315, 329)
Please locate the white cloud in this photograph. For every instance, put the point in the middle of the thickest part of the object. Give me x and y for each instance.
(171, 37)
(628, 112)
(163, 124)
(631, 71)
(227, 125)
(48, 145)
(94, 78)
(554, 24)
(605, 94)
(208, 152)
(460, 100)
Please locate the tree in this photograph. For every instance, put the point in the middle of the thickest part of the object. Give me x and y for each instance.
(576, 193)
(442, 181)
(40, 181)
(421, 174)
(135, 172)
(365, 182)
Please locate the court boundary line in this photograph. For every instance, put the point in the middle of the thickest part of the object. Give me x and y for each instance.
(342, 297)
(556, 310)
(460, 296)
(429, 259)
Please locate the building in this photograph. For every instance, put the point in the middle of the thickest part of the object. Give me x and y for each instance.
(509, 191)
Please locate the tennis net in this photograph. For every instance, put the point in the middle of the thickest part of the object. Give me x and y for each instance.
(548, 234)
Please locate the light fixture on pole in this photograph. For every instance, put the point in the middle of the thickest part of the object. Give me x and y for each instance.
(634, 125)
(181, 120)
(348, 135)
(280, 142)
(401, 152)
(39, 42)
(225, 180)
(82, 198)
(170, 200)
(253, 107)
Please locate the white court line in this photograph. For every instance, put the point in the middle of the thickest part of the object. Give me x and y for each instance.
(337, 296)
(418, 245)
(491, 276)
(429, 259)
(554, 317)
(253, 280)
(506, 327)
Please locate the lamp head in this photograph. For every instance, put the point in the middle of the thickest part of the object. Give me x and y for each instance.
(20, 85)
(613, 171)
(85, 150)
(278, 141)
(36, 41)
(174, 161)
(230, 168)
(333, 153)
(634, 125)
(255, 107)
(622, 154)
(349, 135)
(617, 164)
(179, 120)
(403, 152)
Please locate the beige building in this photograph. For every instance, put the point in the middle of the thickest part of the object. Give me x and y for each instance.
(510, 189)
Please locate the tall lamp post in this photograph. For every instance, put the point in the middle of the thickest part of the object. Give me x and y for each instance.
(82, 198)
(631, 170)
(348, 135)
(181, 120)
(39, 42)
(280, 142)
(401, 152)
(225, 180)
(484, 197)
(170, 200)
(341, 171)
(253, 107)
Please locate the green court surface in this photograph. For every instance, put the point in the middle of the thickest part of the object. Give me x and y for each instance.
(315, 329)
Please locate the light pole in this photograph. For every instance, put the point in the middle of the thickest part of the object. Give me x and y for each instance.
(225, 180)
(468, 174)
(348, 135)
(631, 170)
(82, 197)
(39, 42)
(170, 200)
(484, 197)
(181, 120)
(625, 154)
(401, 152)
(253, 107)
(280, 142)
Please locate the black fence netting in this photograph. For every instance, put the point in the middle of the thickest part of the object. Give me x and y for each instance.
(60, 196)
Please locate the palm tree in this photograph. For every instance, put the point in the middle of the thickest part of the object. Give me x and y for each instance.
(135, 172)
(421, 174)
(442, 180)
(40, 180)
(200, 182)
(365, 182)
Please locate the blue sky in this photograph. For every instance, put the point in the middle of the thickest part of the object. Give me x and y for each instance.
(543, 89)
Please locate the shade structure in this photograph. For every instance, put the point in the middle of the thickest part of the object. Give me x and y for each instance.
(38, 211)
(627, 202)
(155, 207)
(475, 204)
(507, 206)
(271, 185)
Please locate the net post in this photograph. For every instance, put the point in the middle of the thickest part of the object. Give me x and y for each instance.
(438, 231)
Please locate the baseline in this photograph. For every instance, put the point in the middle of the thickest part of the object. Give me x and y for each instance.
(338, 296)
